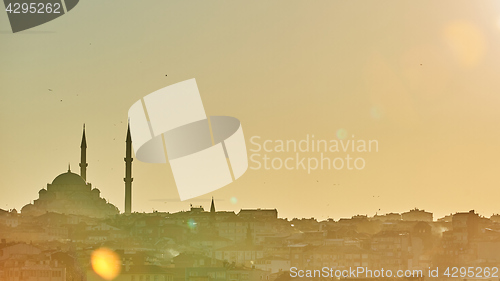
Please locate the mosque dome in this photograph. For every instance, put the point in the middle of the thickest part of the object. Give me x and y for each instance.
(69, 193)
(68, 178)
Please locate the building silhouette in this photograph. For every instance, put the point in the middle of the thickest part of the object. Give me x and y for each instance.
(128, 173)
(70, 193)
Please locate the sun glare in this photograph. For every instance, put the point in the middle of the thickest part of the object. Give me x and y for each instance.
(106, 263)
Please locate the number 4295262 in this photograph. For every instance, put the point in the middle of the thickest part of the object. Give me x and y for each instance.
(471, 272)
(34, 8)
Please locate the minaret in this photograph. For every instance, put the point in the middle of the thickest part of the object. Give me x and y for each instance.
(212, 228)
(128, 173)
(212, 207)
(83, 162)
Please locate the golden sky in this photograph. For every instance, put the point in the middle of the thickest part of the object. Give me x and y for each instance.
(421, 77)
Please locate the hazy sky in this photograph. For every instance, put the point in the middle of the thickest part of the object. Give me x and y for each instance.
(421, 77)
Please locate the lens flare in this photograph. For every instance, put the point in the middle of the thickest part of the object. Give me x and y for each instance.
(233, 200)
(191, 224)
(467, 42)
(375, 112)
(341, 134)
(106, 263)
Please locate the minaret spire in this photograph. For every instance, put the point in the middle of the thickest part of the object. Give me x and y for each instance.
(128, 173)
(83, 162)
(212, 207)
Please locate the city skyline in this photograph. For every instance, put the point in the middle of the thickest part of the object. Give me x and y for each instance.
(419, 78)
(127, 202)
(207, 199)
(253, 244)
